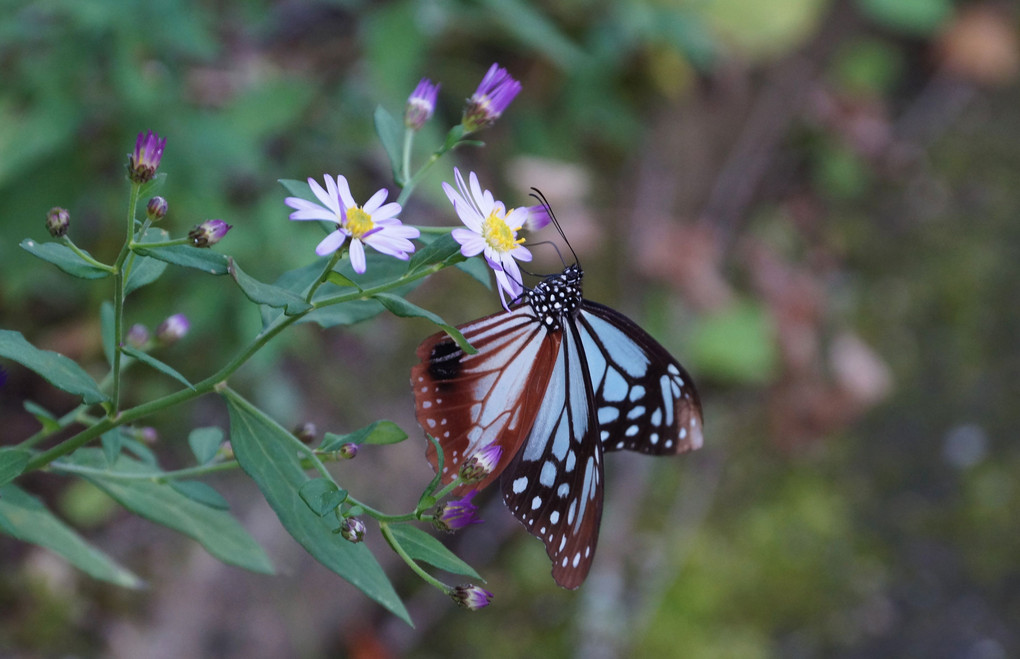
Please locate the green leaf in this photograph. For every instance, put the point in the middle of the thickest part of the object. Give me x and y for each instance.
(421, 546)
(297, 188)
(42, 415)
(145, 270)
(338, 279)
(267, 294)
(163, 504)
(107, 324)
(198, 258)
(201, 493)
(322, 495)
(478, 269)
(205, 443)
(149, 360)
(64, 258)
(442, 249)
(391, 135)
(60, 371)
(26, 518)
(152, 186)
(12, 463)
(378, 432)
(112, 442)
(398, 306)
(271, 456)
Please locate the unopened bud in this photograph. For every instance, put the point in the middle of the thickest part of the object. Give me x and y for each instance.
(58, 221)
(156, 209)
(173, 329)
(352, 529)
(208, 233)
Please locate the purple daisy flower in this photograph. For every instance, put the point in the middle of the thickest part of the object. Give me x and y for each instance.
(494, 94)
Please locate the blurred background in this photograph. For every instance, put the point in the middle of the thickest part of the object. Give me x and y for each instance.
(812, 203)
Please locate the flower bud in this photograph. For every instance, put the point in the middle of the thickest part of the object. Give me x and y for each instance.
(421, 104)
(137, 336)
(470, 597)
(156, 209)
(352, 529)
(493, 96)
(3, 376)
(481, 464)
(306, 432)
(348, 451)
(173, 329)
(455, 515)
(58, 221)
(142, 164)
(147, 435)
(208, 233)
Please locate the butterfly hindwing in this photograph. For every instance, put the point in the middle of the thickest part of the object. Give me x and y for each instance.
(645, 401)
(554, 484)
(468, 402)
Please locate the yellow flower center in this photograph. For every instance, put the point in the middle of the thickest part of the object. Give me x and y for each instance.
(498, 234)
(358, 222)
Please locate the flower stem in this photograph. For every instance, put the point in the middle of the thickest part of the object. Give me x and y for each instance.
(429, 579)
(118, 299)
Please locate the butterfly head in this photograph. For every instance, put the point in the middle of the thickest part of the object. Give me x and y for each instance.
(557, 297)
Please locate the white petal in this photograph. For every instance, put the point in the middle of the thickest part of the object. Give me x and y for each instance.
(470, 217)
(471, 244)
(357, 256)
(331, 243)
(345, 192)
(329, 201)
(385, 212)
(376, 200)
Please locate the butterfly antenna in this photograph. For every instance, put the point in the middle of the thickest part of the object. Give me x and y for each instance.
(537, 194)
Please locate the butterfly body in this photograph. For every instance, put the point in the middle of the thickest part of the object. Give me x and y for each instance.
(557, 381)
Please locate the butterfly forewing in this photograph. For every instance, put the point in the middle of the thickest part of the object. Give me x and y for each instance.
(645, 401)
(554, 485)
(468, 402)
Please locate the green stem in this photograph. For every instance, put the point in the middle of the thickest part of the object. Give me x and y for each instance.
(160, 477)
(85, 257)
(118, 299)
(388, 534)
(405, 170)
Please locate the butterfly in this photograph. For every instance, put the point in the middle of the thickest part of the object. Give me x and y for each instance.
(557, 382)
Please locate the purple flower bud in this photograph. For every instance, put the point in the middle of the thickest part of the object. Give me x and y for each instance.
(147, 435)
(471, 597)
(208, 233)
(455, 515)
(142, 164)
(481, 464)
(173, 329)
(352, 529)
(156, 209)
(493, 96)
(3, 376)
(538, 218)
(137, 335)
(306, 432)
(58, 221)
(421, 104)
(348, 451)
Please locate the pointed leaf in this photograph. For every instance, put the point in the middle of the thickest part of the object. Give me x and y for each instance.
(421, 546)
(271, 456)
(478, 269)
(26, 518)
(205, 443)
(161, 503)
(322, 495)
(42, 415)
(149, 360)
(112, 442)
(62, 372)
(297, 188)
(64, 258)
(398, 306)
(391, 135)
(145, 269)
(378, 432)
(198, 258)
(267, 294)
(200, 492)
(441, 249)
(12, 463)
